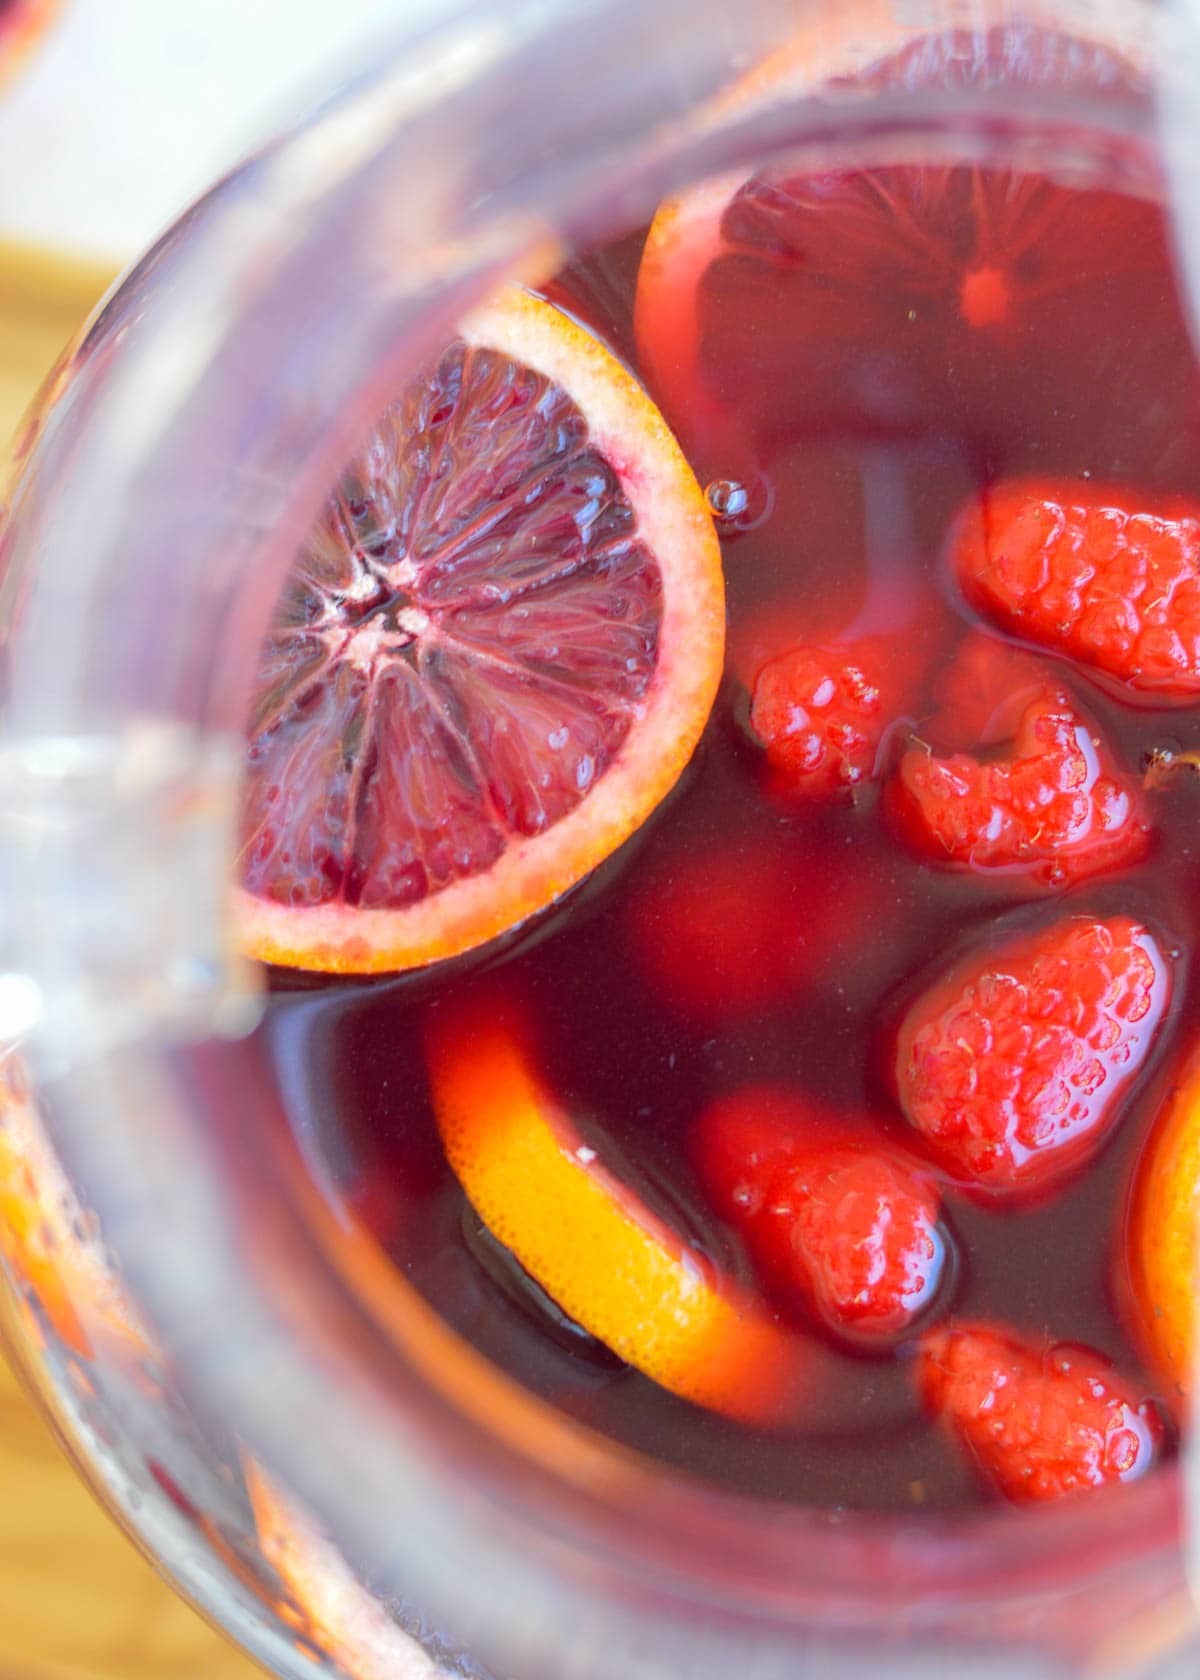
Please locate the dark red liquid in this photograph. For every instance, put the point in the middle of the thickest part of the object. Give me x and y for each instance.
(850, 505)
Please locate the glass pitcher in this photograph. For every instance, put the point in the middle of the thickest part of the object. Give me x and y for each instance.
(227, 1366)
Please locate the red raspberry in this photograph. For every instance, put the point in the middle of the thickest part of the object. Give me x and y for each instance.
(850, 1227)
(1039, 1423)
(1055, 811)
(821, 713)
(864, 1240)
(1013, 1065)
(1094, 574)
(743, 1141)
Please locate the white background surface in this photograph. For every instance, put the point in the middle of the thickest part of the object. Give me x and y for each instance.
(129, 108)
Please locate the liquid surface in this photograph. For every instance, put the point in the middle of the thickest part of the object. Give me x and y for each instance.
(840, 529)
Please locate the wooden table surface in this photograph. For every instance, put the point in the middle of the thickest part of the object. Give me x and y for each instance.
(77, 1602)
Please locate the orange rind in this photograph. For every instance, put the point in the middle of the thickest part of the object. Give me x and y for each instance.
(1164, 1236)
(600, 1253)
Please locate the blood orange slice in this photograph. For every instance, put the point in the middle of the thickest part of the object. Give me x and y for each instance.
(912, 297)
(495, 655)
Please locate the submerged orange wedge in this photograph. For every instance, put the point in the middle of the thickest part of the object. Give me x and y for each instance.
(879, 296)
(609, 1262)
(1164, 1236)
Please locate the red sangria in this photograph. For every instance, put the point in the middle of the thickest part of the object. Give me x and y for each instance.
(716, 831)
(734, 984)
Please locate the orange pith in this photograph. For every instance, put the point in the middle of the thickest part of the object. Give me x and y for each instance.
(478, 897)
(1164, 1235)
(606, 1260)
(48, 1242)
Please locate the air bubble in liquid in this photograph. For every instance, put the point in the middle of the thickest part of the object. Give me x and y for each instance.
(726, 499)
(738, 506)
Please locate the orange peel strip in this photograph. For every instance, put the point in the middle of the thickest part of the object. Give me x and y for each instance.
(607, 1261)
(1164, 1236)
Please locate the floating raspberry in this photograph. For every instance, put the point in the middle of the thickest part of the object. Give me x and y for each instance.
(1012, 1067)
(746, 1141)
(866, 1247)
(821, 713)
(1100, 575)
(1040, 1423)
(1054, 811)
(849, 1226)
